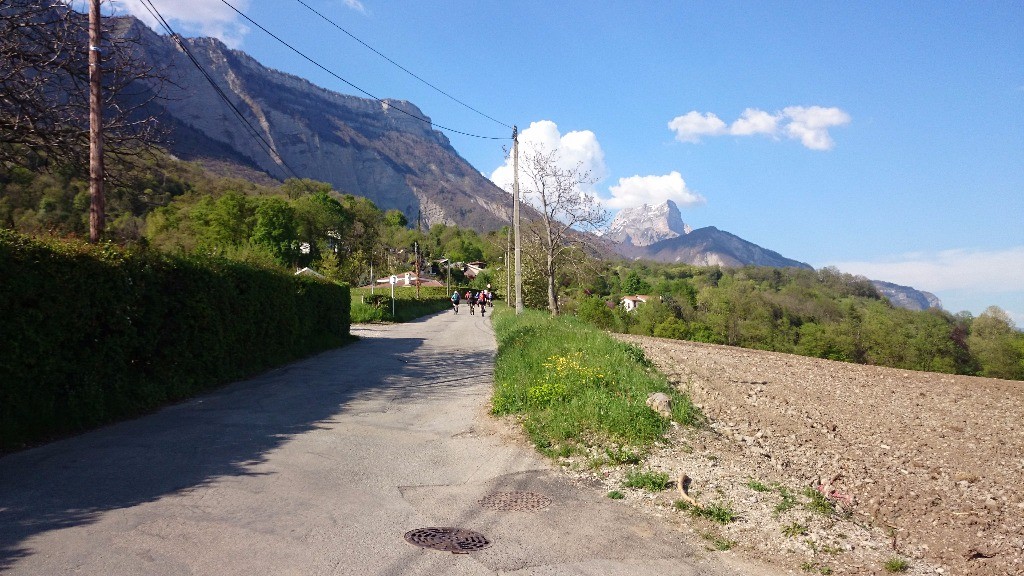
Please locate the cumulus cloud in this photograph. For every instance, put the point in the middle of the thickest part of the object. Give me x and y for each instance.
(576, 148)
(809, 125)
(637, 190)
(690, 127)
(754, 121)
(199, 17)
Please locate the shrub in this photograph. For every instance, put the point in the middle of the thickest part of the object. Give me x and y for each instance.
(896, 565)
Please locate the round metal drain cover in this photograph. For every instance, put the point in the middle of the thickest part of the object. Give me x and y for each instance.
(454, 540)
(515, 501)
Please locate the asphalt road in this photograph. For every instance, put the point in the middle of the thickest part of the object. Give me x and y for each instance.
(321, 467)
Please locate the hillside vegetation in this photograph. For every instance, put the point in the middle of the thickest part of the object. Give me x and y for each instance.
(181, 208)
(823, 313)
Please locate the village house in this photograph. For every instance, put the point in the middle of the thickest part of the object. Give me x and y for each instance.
(631, 302)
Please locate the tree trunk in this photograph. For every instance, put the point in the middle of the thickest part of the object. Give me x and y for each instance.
(552, 293)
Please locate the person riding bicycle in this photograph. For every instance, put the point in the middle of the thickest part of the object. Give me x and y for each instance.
(455, 301)
(482, 301)
(471, 301)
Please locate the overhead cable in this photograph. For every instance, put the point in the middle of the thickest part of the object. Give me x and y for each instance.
(403, 68)
(332, 73)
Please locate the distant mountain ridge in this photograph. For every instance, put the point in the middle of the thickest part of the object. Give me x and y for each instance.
(360, 146)
(710, 246)
(907, 297)
(658, 233)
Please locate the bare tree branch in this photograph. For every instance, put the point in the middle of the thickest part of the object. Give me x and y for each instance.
(566, 211)
(44, 98)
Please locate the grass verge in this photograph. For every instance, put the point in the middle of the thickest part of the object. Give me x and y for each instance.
(377, 307)
(576, 387)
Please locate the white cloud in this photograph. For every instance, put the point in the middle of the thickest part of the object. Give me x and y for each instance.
(189, 17)
(690, 127)
(577, 148)
(963, 279)
(356, 5)
(637, 190)
(754, 121)
(810, 125)
(986, 271)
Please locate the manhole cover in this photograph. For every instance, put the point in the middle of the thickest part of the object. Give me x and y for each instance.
(510, 501)
(454, 540)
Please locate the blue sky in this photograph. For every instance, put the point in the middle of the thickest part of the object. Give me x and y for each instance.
(885, 138)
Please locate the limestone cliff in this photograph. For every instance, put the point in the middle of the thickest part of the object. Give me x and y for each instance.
(358, 145)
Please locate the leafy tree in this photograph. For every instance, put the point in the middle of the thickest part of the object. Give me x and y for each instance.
(275, 229)
(634, 284)
(396, 219)
(994, 342)
(229, 219)
(321, 221)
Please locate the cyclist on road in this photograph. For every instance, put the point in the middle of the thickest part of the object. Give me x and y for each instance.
(482, 301)
(455, 301)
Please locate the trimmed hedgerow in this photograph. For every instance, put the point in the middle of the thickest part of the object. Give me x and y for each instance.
(93, 334)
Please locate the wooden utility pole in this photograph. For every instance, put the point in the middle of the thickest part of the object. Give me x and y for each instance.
(515, 219)
(97, 206)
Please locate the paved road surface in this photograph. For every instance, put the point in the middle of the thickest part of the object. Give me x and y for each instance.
(320, 467)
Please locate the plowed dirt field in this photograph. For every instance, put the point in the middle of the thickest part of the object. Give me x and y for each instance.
(835, 468)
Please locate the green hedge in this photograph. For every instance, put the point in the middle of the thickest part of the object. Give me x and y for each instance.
(93, 334)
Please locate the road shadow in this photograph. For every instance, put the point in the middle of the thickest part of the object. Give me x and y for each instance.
(183, 447)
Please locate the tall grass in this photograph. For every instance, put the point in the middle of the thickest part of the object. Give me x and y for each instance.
(576, 386)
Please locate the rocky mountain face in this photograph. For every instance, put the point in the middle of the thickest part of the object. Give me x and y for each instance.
(907, 297)
(709, 246)
(644, 225)
(658, 233)
(360, 146)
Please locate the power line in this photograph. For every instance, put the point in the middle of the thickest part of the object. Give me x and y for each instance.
(325, 69)
(403, 68)
(261, 141)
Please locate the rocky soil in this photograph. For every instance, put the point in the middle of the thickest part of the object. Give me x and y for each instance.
(835, 468)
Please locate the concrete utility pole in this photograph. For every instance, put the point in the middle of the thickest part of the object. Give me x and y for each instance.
(508, 268)
(515, 219)
(97, 206)
(416, 251)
